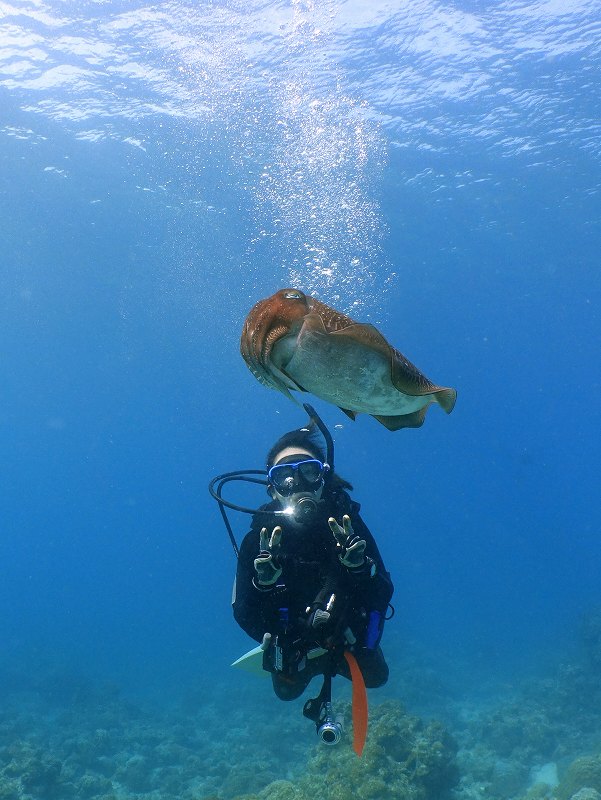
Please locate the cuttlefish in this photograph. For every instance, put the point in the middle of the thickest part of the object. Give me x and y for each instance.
(292, 341)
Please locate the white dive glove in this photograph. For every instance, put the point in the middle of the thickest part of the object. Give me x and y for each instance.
(267, 565)
(351, 548)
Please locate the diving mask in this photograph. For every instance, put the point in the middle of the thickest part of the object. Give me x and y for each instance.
(288, 478)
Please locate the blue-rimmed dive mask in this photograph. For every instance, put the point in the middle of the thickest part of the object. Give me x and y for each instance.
(295, 474)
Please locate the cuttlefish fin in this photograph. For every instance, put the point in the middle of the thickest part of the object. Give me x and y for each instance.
(297, 385)
(280, 378)
(366, 335)
(281, 381)
(404, 375)
(312, 323)
(408, 379)
(446, 398)
(395, 423)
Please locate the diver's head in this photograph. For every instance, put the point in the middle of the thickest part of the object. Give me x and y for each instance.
(296, 481)
(307, 440)
(296, 474)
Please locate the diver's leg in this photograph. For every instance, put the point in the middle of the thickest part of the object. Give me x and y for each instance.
(289, 687)
(373, 667)
(372, 664)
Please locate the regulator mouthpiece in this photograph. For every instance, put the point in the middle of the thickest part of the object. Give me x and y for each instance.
(304, 509)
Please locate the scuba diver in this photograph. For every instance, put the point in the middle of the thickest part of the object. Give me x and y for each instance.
(310, 583)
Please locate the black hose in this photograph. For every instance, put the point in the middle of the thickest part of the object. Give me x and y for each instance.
(324, 432)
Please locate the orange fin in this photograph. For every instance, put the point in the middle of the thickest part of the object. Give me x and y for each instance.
(360, 709)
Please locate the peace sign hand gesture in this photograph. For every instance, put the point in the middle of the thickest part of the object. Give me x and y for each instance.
(267, 565)
(351, 548)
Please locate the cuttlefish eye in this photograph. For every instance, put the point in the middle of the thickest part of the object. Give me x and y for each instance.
(294, 294)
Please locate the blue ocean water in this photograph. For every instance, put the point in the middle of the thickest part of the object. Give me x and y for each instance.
(430, 167)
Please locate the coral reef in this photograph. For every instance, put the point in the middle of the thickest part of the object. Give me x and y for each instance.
(583, 773)
(540, 740)
(549, 720)
(590, 637)
(101, 747)
(404, 759)
(94, 745)
(586, 794)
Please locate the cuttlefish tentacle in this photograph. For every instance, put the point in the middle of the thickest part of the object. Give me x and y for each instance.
(267, 322)
(258, 338)
(283, 381)
(274, 335)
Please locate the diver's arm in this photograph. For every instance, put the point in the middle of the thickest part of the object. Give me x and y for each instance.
(250, 604)
(377, 588)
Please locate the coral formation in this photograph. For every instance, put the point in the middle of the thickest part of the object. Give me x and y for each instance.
(583, 773)
(586, 794)
(91, 744)
(590, 636)
(404, 759)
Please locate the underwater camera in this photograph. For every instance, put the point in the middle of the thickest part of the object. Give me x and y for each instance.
(329, 730)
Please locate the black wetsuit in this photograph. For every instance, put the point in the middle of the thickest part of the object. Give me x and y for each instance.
(312, 571)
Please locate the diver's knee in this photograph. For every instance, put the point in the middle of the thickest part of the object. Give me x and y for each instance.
(287, 688)
(374, 668)
(377, 679)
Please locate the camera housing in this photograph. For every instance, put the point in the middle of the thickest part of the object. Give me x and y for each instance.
(329, 727)
(284, 656)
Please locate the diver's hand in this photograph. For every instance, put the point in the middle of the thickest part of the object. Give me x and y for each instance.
(351, 548)
(267, 565)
